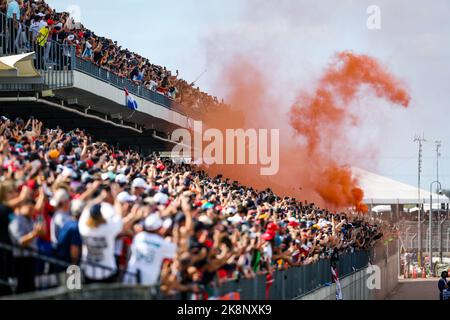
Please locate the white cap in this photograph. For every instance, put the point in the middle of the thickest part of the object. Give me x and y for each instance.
(40, 14)
(125, 197)
(161, 198)
(235, 219)
(121, 179)
(167, 223)
(205, 219)
(231, 210)
(68, 172)
(77, 206)
(60, 196)
(139, 183)
(153, 222)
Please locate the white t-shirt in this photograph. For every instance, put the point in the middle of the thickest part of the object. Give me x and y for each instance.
(42, 24)
(268, 253)
(99, 243)
(148, 252)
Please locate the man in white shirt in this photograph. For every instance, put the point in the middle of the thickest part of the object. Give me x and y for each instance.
(99, 226)
(149, 250)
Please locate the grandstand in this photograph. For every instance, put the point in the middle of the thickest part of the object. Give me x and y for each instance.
(60, 102)
(79, 93)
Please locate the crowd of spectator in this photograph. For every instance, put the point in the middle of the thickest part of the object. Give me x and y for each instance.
(36, 24)
(88, 203)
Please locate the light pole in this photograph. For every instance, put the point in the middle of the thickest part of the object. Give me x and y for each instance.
(431, 223)
(420, 140)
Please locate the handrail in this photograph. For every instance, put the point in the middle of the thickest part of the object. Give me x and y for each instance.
(64, 264)
(53, 60)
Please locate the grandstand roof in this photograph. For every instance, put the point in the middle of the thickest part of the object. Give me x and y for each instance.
(383, 190)
(20, 65)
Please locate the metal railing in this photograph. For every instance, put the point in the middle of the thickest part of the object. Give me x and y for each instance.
(56, 62)
(441, 238)
(297, 281)
(48, 269)
(90, 68)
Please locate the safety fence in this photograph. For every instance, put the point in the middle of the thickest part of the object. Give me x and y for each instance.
(281, 285)
(294, 282)
(37, 270)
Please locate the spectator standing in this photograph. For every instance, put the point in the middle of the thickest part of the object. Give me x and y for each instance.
(13, 14)
(61, 202)
(6, 272)
(41, 43)
(69, 241)
(99, 226)
(442, 284)
(149, 250)
(24, 232)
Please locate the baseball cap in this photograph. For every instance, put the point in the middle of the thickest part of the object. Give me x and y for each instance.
(53, 154)
(161, 198)
(153, 222)
(268, 236)
(272, 226)
(76, 207)
(139, 183)
(121, 179)
(96, 211)
(231, 210)
(60, 196)
(124, 197)
(86, 178)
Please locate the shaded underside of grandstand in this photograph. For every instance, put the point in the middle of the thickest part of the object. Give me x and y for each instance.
(56, 117)
(80, 95)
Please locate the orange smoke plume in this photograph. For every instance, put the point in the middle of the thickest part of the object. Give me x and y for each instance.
(325, 114)
(308, 170)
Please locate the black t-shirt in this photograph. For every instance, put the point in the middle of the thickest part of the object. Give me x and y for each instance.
(134, 73)
(334, 258)
(4, 224)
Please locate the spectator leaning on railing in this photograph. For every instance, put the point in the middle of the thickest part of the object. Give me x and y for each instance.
(40, 24)
(186, 230)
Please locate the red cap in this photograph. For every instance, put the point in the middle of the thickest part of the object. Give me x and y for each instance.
(160, 167)
(268, 236)
(209, 243)
(272, 226)
(50, 22)
(89, 163)
(198, 203)
(31, 184)
(294, 224)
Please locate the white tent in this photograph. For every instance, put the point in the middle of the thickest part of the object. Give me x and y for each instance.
(380, 190)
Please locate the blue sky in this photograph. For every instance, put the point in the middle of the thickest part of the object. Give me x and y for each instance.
(302, 35)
